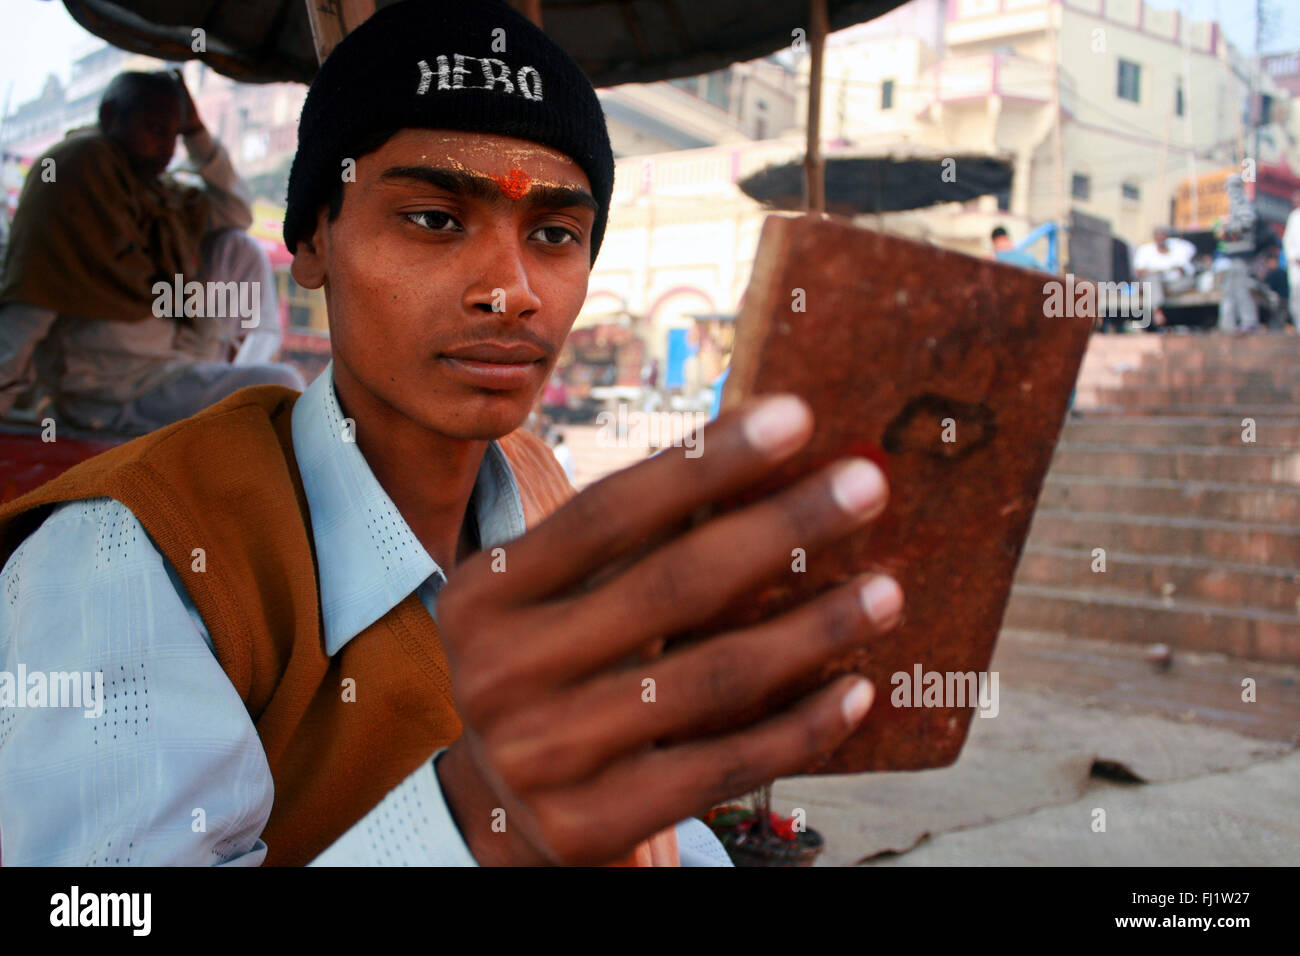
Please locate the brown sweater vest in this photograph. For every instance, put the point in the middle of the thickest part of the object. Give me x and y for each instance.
(223, 481)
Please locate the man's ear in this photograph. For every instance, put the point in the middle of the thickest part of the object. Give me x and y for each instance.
(310, 253)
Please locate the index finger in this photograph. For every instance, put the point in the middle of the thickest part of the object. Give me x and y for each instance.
(625, 510)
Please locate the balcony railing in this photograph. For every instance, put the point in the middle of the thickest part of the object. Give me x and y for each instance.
(977, 77)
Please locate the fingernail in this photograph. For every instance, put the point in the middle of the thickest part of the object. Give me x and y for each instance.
(858, 486)
(776, 423)
(857, 702)
(882, 599)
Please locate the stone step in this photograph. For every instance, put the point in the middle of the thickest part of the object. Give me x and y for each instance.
(1200, 688)
(1113, 359)
(1277, 433)
(1212, 358)
(1188, 625)
(1211, 540)
(1280, 373)
(1261, 398)
(1224, 501)
(1171, 580)
(1284, 375)
(1217, 344)
(1244, 463)
(1086, 406)
(1212, 350)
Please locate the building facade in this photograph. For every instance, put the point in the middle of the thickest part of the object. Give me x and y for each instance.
(1103, 106)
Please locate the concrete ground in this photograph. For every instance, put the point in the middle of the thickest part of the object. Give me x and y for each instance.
(1182, 770)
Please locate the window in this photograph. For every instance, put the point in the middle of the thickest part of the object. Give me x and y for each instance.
(1265, 109)
(1080, 186)
(717, 88)
(1130, 191)
(714, 87)
(887, 95)
(1130, 80)
(1180, 103)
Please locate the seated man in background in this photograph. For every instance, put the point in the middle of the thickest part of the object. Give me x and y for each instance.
(1166, 263)
(1005, 251)
(88, 304)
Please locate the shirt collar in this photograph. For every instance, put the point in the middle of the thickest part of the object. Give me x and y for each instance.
(367, 556)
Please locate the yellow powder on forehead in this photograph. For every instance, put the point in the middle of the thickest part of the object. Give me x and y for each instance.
(516, 154)
(520, 182)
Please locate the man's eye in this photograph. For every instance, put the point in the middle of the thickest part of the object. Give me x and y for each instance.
(557, 235)
(432, 219)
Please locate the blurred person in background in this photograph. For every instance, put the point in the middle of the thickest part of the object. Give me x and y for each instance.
(1236, 233)
(1005, 251)
(1291, 252)
(99, 229)
(1166, 263)
(562, 453)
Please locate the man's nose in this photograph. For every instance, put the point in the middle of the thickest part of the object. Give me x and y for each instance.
(502, 285)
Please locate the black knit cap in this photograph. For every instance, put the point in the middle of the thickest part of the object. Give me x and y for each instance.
(428, 64)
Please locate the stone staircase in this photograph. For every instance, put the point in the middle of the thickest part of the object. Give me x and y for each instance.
(1200, 528)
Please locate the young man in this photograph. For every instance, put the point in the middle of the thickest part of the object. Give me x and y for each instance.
(291, 675)
(99, 231)
(1005, 251)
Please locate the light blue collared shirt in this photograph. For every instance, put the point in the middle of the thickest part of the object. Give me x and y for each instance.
(172, 772)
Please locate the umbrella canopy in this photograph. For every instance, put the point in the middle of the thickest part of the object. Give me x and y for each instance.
(885, 180)
(615, 41)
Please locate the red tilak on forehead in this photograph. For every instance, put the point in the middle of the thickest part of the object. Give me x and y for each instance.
(514, 183)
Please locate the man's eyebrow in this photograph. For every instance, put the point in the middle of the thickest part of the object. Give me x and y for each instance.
(487, 189)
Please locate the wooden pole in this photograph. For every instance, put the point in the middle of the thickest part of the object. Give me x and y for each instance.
(1256, 107)
(1164, 168)
(1189, 133)
(332, 20)
(1058, 150)
(814, 166)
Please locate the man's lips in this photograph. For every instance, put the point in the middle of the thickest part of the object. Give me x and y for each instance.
(498, 353)
(495, 365)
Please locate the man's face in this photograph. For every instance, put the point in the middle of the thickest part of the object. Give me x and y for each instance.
(1001, 243)
(1160, 237)
(452, 276)
(147, 131)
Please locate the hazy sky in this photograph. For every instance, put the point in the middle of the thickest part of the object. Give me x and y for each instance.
(38, 37)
